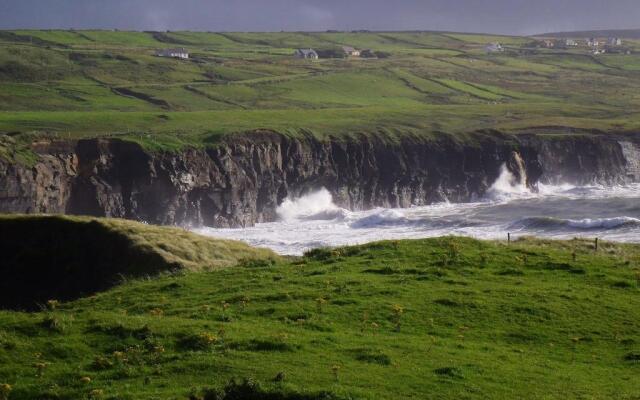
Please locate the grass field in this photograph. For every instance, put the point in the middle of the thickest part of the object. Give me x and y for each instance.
(77, 84)
(446, 318)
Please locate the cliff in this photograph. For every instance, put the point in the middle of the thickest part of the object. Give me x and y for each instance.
(241, 180)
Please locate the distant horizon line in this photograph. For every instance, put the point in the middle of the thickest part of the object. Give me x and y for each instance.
(314, 31)
(330, 31)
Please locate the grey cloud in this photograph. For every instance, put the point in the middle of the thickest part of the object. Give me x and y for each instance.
(497, 16)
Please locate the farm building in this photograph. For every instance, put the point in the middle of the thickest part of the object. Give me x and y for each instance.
(549, 44)
(306, 54)
(615, 41)
(350, 51)
(593, 42)
(494, 48)
(180, 52)
(570, 43)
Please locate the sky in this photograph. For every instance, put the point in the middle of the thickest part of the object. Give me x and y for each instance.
(517, 17)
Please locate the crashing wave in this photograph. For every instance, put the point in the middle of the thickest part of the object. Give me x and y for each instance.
(549, 223)
(507, 186)
(380, 218)
(334, 214)
(305, 207)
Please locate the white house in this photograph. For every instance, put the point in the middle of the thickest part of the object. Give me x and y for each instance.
(570, 42)
(593, 42)
(615, 41)
(350, 51)
(494, 47)
(309, 54)
(180, 52)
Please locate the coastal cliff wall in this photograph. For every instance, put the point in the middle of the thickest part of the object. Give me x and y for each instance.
(243, 179)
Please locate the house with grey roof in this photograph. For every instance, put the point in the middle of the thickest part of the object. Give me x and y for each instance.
(179, 52)
(309, 54)
(494, 48)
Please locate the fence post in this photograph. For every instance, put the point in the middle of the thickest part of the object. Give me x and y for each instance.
(508, 237)
(596, 244)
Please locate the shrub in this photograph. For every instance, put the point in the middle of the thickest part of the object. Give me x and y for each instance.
(249, 389)
(275, 345)
(451, 372)
(52, 304)
(96, 394)
(56, 323)
(101, 363)
(447, 302)
(622, 284)
(280, 377)
(372, 356)
(5, 391)
(319, 254)
(253, 263)
(198, 342)
(633, 356)
(396, 315)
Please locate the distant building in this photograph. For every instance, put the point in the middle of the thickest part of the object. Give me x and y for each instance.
(494, 48)
(180, 52)
(350, 51)
(593, 42)
(570, 42)
(308, 54)
(615, 42)
(549, 44)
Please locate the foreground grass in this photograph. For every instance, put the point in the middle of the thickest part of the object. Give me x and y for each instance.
(438, 318)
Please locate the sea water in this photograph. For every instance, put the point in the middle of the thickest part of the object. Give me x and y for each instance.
(562, 211)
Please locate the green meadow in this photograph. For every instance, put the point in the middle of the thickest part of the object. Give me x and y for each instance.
(446, 318)
(82, 84)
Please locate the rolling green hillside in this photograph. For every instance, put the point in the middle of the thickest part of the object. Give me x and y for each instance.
(74, 84)
(446, 318)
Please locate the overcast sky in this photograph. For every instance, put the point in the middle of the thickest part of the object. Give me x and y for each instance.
(495, 16)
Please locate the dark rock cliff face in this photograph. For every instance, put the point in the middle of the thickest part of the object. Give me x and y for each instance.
(242, 180)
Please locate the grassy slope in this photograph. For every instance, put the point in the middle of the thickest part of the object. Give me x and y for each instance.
(65, 257)
(536, 319)
(70, 84)
(174, 245)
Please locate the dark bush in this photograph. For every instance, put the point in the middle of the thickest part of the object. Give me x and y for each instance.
(249, 389)
(633, 356)
(371, 356)
(451, 372)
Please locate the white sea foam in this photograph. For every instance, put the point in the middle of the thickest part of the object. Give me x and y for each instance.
(507, 186)
(549, 223)
(316, 203)
(380, 217)
(560, 211)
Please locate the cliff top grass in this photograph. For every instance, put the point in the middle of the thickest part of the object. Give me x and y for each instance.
(445, 318)
(84, 84)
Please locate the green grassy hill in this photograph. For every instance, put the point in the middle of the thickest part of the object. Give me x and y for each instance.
(45, 257)
(446, 318)
(74, 84)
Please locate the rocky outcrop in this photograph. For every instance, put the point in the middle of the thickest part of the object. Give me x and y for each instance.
(241, 180)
